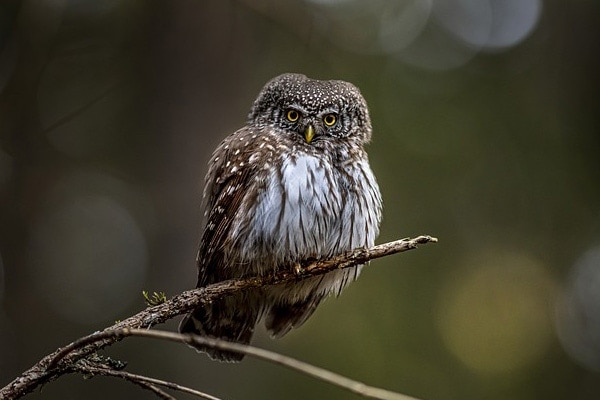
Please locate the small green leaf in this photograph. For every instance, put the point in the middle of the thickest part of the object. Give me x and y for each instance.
(155, 299)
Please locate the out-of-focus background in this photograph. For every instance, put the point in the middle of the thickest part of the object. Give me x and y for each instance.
(486, 134)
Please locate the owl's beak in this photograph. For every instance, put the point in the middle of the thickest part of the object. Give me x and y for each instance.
(309, 133)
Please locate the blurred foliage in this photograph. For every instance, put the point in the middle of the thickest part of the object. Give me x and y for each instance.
(486, 135)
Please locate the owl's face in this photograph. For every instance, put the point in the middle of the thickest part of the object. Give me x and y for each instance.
(312, 111)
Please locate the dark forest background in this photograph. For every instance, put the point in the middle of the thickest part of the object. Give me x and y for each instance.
(486, 135)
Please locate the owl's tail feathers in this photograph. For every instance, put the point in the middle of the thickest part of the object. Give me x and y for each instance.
(220, 320)
(282, 318)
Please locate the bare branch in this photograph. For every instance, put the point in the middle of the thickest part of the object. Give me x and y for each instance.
(47, 369)
(262, 354)
(157, 391)
(85, 367)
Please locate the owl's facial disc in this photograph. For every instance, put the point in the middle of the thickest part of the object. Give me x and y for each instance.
(309, 133)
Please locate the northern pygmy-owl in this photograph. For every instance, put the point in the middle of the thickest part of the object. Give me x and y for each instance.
(293, 184)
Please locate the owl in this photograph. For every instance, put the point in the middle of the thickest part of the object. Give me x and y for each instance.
(293, 184)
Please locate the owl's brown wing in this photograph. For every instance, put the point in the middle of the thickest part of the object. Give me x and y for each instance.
(228, 181)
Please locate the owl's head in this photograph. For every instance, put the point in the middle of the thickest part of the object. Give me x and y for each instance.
(315, 110)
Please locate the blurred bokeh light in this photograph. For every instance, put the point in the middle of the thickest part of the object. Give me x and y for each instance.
(486, 134)
(578, 313)
(87, 251)
(496, 316)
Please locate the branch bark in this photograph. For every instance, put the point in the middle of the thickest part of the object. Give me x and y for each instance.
(90, 368)
(47, 370)
(262, 354)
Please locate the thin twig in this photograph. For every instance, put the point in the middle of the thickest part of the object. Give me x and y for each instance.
(45, 370)
(262, 354)
(157, 391)
(91, 368)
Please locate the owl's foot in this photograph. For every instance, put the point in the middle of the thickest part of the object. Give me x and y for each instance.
(298, 269)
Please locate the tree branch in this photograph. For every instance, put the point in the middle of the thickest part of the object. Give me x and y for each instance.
(86, 367)
(46, 370)
(262, 354)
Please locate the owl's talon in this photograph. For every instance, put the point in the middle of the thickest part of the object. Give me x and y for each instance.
(298, 269)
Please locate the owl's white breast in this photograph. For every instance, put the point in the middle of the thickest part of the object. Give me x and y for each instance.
(302, 212)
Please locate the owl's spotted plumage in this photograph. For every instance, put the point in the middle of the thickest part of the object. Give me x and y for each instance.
(291, 185)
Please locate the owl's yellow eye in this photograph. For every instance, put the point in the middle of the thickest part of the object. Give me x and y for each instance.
(329, 119)
(292, 115)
